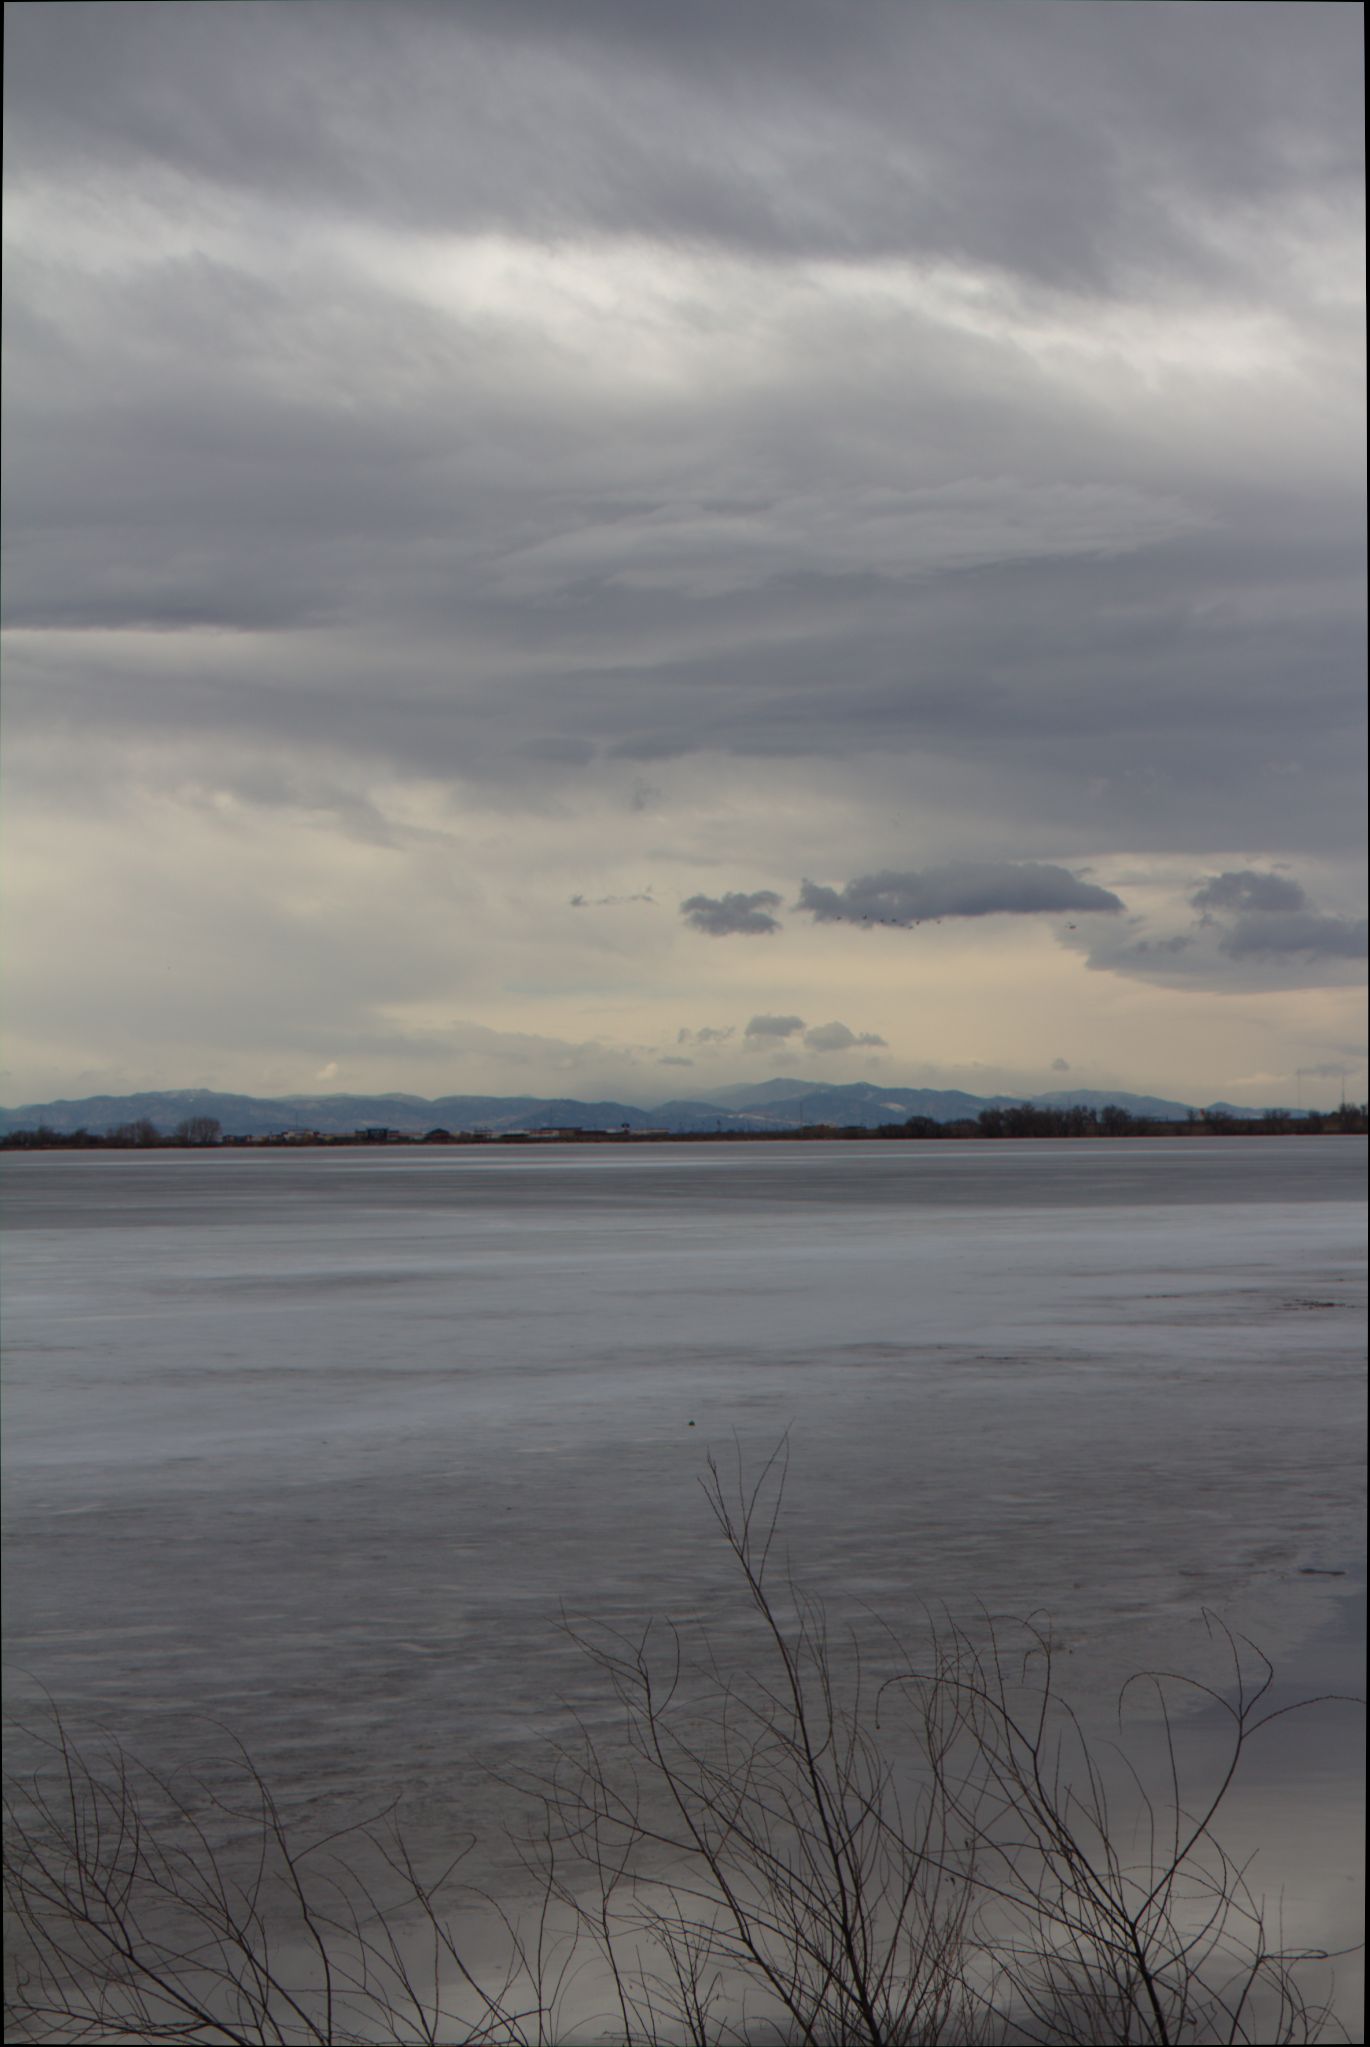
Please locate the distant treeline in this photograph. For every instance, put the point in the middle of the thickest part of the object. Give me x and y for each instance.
(204, 1132)
(1031, 1121)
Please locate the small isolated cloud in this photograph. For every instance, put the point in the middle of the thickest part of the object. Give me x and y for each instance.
(721, 916)
(604, 902)
(774, 1026)
(329, 1072)
(963, 888)
(836, 1037)
(1295, 931)
(707, 1034)
(1246, 889)
(1060, 1066)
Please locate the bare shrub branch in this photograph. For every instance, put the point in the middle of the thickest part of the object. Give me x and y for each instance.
(769, 1845)
(129, 1922)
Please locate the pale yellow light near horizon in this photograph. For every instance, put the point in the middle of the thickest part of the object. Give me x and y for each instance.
(276, 947)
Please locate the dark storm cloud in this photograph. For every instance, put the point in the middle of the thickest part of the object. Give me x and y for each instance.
(744, 494)
(1246, 889)
(964, 888)
(722, 916)
(774, 1026)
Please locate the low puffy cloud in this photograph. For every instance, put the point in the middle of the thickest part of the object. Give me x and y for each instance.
(768, 1031)
(1271, 916)
(707, 1034)
(963, 888)
(774, 1026)
(721, 916)
(1245, 888)
(1060, 1066)
(1254, 928)
(836, 1037)
(1295, 931)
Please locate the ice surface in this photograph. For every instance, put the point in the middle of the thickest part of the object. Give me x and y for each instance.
(318, 1444)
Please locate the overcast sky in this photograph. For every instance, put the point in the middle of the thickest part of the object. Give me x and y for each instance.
(601, 548)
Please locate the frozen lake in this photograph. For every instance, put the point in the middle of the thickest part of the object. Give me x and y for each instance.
(319, 1443)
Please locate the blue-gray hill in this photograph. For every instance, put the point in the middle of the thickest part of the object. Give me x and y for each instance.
(768, 1105)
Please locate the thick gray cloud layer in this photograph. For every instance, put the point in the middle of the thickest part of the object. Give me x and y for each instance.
(936, 428)
(978, 391)
(769, 128)
(964, 888)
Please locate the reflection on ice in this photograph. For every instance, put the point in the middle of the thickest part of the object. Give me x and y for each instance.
(318, 1446)
(778, 1835)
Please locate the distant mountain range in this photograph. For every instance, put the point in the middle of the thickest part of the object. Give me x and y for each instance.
(766, 1105)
